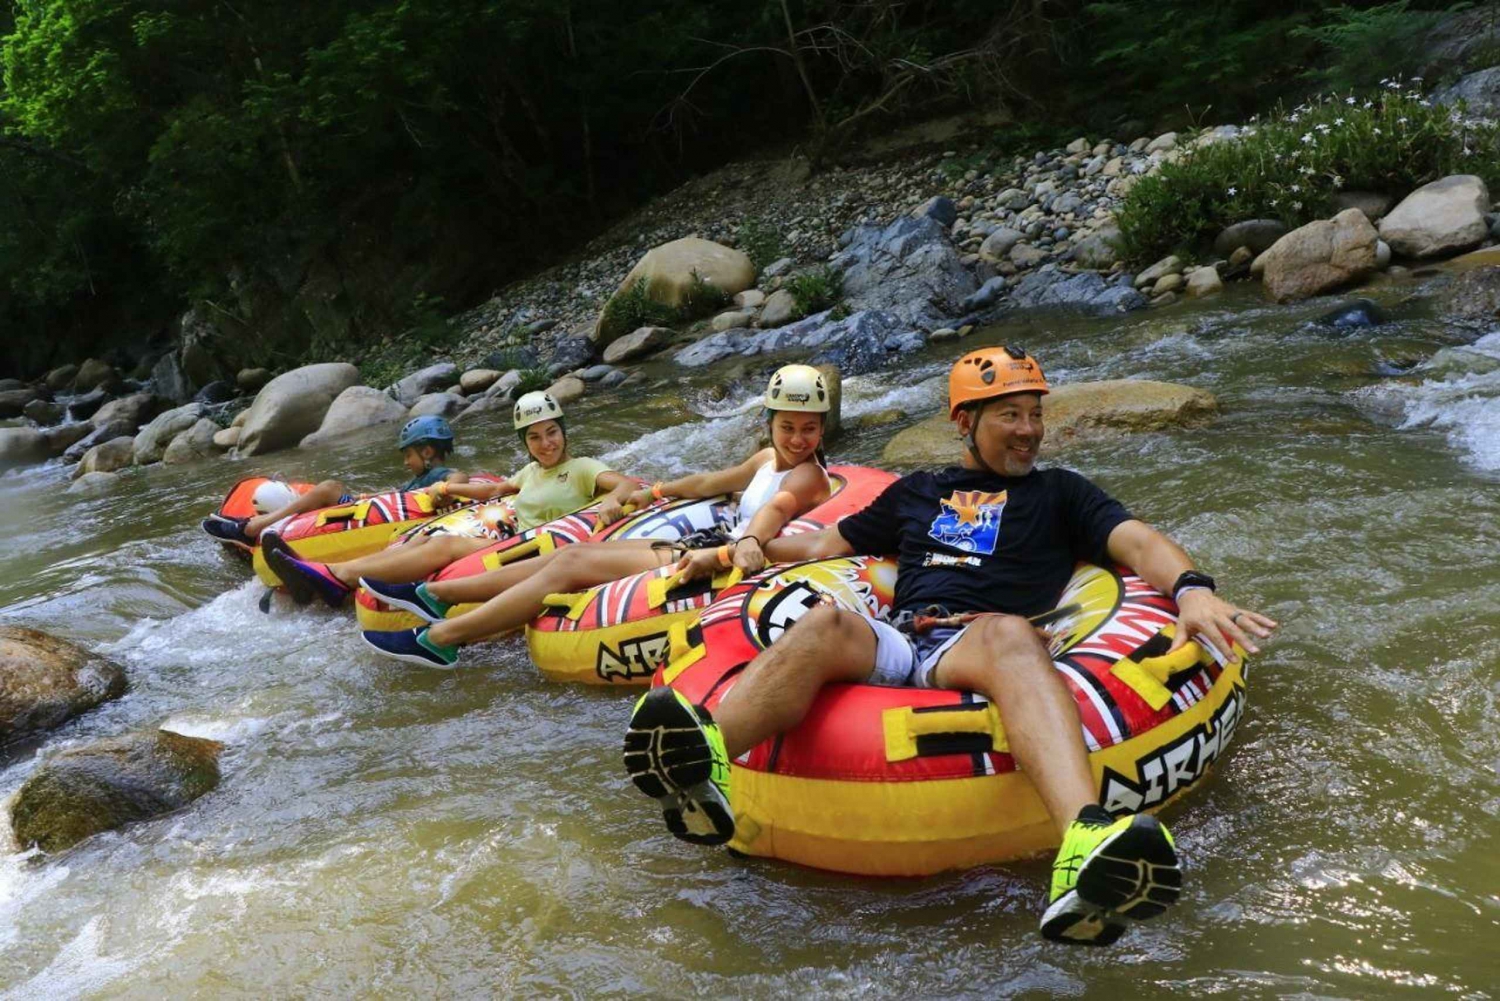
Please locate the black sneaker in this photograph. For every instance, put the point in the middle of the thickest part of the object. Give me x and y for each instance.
(1107, 871)
(414, 598)
(675, 754)
(230, 530)
(303, 580)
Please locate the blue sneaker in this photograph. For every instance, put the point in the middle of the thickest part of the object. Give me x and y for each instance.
(413, 646)
(230, 530)
(303, 579)
(414, 598)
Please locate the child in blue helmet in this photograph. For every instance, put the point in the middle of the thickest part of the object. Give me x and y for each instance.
(424, 443)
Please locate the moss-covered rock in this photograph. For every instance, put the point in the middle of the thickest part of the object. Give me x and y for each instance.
(109, 783)
(45, 681)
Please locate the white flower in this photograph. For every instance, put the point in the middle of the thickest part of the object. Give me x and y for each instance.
(1338, 182)
(1322, 128)
(1307, 171)
(1338, 121)
(1307, 137)
(1233, 192)
(1378, 132)
(1393, 85)
(1293, 118)
(1369, 105)
(1275, 202)
(1426, 103)
(1350, 99)
(1296, 205)
(1295, 187)
(1416, 79)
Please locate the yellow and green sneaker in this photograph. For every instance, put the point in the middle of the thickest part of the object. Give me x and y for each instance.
(1109, 870)
(675, 754)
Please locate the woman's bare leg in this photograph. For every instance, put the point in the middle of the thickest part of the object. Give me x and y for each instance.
(572, 569)
(484, 586)
(411, 561)
(325, 494)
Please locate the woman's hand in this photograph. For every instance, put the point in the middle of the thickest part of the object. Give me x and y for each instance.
(748, 555)
(610, 511)
(699, 563)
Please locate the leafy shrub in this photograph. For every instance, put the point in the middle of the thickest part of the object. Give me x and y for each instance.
(532, 379)
(760, 241)
(1290, 167)
(1360, 47)
(631, 309)
(816, 290)
(703, 297)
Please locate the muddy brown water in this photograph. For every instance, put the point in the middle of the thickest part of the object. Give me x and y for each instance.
(384, 831)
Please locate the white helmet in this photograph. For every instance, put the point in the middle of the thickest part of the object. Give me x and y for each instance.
(798, 387)
(536, 407)
(272, 495)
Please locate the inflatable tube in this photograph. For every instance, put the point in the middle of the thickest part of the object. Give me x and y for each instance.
(667, 520)
(349, 531)
(902, 781)
(240, 503)
(618, 633)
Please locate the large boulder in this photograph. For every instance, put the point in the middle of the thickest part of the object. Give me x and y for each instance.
(169, 381)
(860, 342)
(1320, 257)
(431, 379)
(438, 404)
(153, 439)
(1479, 93)
(135, 410)
(86, 405)
(21, 446)
(909, 268)
(355, 408)
(292, 406)
(93, 373)
(44, 412)
(1072, 411)
(252, 380)
(109, 783)
(197, 442)
(639, 343)
(13, 402)
(64, 436)
(1086, 291)
(107, 456)
(98, 436)
(477, 380)
(1439, 219)
(668, 273)
(61, 377)
(45, 681)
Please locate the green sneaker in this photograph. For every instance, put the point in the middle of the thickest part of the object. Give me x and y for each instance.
(1107, 871)
(675, 754)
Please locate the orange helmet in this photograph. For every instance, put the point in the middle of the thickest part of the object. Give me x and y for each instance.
(991, 372)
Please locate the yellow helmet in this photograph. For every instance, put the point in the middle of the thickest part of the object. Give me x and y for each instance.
(798, 387)
(533, 408)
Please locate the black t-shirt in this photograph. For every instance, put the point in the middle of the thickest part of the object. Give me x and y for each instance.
(976, 542)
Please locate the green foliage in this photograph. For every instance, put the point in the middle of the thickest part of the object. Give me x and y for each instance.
(702, 297)
(631, 309)
(532, 379)
(1290, 167)
(1359, 48)
(816, 290)
(761, 241)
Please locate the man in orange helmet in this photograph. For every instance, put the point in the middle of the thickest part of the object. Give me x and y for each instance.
(995, 536)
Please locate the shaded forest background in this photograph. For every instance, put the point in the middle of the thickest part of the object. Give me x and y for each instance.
(311, 175)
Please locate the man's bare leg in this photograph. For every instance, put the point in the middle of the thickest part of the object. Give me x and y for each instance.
(325, 494)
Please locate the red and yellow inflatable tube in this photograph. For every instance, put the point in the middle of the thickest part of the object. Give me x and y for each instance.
(618, 633)
(898, 781)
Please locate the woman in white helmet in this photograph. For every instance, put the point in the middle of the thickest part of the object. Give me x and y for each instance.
(776, 485)
(552, 485)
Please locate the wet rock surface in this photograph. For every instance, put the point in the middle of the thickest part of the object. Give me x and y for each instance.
(44, 681)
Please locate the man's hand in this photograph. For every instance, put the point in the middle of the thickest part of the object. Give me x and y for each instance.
(699, 563)
(1203, 613)
(640, 498)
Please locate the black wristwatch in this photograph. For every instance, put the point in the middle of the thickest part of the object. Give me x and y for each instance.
(1190, 579)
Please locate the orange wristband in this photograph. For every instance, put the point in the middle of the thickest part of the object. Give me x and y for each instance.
(656, 491)
(724, 558)
(442, 488)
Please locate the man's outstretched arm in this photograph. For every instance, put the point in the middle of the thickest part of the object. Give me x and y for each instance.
(1160, 561)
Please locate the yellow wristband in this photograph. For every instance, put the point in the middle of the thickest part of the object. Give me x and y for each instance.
(656, 491)
(442, 488)
(724, 558)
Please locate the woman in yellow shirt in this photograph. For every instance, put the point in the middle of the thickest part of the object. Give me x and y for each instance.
(553, 484)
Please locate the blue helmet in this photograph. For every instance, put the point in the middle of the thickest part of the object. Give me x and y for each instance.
(427, 428)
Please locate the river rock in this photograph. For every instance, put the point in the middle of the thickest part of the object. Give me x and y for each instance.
(732, 319)
(1373, 205)
(93, 483)
(1320, 257)
(217, 391)
(860, 342)
(169, 381)
(65, 436)
(779, 310)
(567, 389)
(293, 405)
(637, 344)
(93, 373)
(45, 681)
(61, 377)
(1171, 265)
(1472, 298)
(44, 412)
(85, 406)
(1355, 313)
(999, 243)
(98, 436)
(226, 438)
(982, 298)
(1162, 143)
(355, 408)
(197, 442)
(199, 366)
(909, 267)
(939, 207)
(153, 439)
(669, 273)
(477, 380)
(431, 379)
(485, 403)
(443, 405)
(109, 783)
(1098, 252)
(1257, 234)
(107, 457)
(1439, 219)
(13, 402)
(570, 352)
(595, 373)
(135, 410)
(1088, 291)
(751, 298)
(1202, 282)
(1478, 93)
(1072, 411)
(252, 380)
(1167, 283)
(21, 446)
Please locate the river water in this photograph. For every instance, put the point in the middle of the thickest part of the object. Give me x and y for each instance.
(387, 831)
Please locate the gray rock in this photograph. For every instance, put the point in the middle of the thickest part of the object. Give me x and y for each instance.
(81, 408)
(135, 410)
(431, 379)
(61, 377)
(168, 380)
(1373, 205)
(98, 436)
(1479, 93)
(152, 441)
(614, 378)
(13, 402)
(1439, 219)
(62, 437)
(438, 404)
(1319, 257)
(252, 380)
(21, 446)
(986, 296)
(1382, 254)
(539, 327)
(732, 319)
(1257, 234)
(999, 243)
(485, 404)
(1088, 292)
(1025, 256)
(509, 358)
(574, 351)
(197, 442)
(1013, 198)
(779, 310)
(93, 483)
(1472, 299)
(1353, 314)
(595, 372)
(477, 380)
(1162, 143)
(108, 783)
(505, 385)
(1170, 265)
(637, 344)
(199, 366)
(45, 681)
(780, 267)
(1066, 202)
(861, 342)
(95, 372)
(939, 207)
(1097, 252)
(44, 412)
(293, 405)
(217, 391)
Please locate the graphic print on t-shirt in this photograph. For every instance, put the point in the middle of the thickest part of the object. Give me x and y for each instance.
(969, 520)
